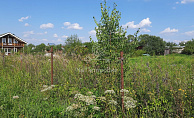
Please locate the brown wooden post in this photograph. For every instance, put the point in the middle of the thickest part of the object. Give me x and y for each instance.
(51, 65)
(21, 60)
(122, 81)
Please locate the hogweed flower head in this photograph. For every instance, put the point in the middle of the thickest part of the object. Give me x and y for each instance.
(45, 86)
(129, 102)
(15, 97)
(69, 108)
(90, 100)
(89, 93)
(102, 98)
(109, 92)
(124, 90)
(96, 108)
(112, 102)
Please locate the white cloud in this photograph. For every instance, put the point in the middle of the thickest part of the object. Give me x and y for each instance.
(92, 32)
(45, 26)
(72, 26)
(64, 36)
(55, 35)
(145, 30)
(168, 30)
(28, 33)
(144, 23)
(177, 2)
(26, 24)
(23, 18)
(67, 23)
(186, 1)
(189, 33)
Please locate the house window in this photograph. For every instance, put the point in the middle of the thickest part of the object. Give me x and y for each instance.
(4, 41)
(10, 41)
(15, 41)
(7, 51)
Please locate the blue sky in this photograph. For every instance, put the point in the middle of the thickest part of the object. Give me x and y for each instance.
(46, 21)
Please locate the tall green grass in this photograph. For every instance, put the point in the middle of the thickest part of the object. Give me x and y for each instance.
(161, 85)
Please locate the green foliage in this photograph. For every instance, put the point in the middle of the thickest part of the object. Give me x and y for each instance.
(88, 46)
(162, 86)
(189, 47)
(153, 45)
(73, 44)
(110, 35)
(182, 43)
(40, 48)
(139, 53)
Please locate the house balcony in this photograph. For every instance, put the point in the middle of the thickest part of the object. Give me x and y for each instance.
(11, 45)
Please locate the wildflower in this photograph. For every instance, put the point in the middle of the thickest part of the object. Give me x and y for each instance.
(89, 93)
(49, 88)
(113, 102)
(15, 97)
(179, 89)
(129, 102)
(45, 86)
(77, 95)
(90, 100)
(124, 90)
(128, 98)
(69, 108)
(96, 108)
(75, 106)
(102, 98)
(84, 109)
(45, 98)
(77, 114)
(93, 96)
(109, 91)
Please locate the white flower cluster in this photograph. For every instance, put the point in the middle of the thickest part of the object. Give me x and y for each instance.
(46, 88)
(124, 90)
(15, 97)
(73, 107)
(96, 108)
(112, 102)
(109, 91)
(90, 100)
(129, 102)
(102, 98)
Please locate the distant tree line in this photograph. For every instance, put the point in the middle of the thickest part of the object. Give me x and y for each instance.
(149, 44)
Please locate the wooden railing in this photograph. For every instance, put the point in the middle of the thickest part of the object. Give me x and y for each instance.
(11, 44)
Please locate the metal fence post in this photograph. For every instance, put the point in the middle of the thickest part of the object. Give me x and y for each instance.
(51, 65)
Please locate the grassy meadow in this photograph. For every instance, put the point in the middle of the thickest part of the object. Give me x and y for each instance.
(155, 86)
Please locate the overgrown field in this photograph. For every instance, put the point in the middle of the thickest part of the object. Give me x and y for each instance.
(155, 86)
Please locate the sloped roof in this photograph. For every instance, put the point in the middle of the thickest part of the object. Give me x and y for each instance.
(8, 33)
(50, 44)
